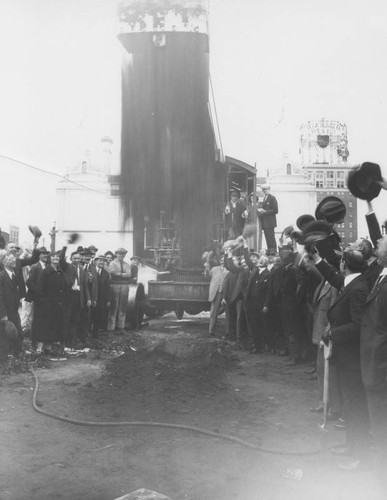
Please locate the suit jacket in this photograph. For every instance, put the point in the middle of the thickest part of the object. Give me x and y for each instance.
(9, 299)
(234, 222)
(70, 273)
(103, 287)
(258, 287)
(270, 205)
(345, 317)
(373, 228)
(241, 277)
(20, 263)
(32, 281)
(218, 274)
(373, 347)
(323, 299)
(92, 280)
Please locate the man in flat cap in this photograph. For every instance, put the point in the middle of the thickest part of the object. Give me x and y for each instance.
(120, 278)
(267, 210)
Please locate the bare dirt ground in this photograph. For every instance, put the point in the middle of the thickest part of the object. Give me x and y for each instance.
(253, 397)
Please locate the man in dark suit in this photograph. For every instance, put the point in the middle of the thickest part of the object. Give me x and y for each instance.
(344, 318)
(373, 350)
(267, 210)
(257, 299)
(9, 300)
(100, 311)
(79, 295)
(13, 249)
(33, 293)
(235, 215)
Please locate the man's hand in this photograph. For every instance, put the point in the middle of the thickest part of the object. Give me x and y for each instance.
(94, 303)
(107, 304)
(326, 337)
(88, 303)
(4, 319)
(265, 309)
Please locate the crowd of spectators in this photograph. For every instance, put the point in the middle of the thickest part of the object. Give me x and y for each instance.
(64, 299)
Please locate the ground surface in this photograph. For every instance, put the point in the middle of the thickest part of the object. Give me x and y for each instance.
(253, 397)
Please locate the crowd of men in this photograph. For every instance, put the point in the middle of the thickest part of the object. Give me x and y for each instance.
(65, 299)
(316, 292)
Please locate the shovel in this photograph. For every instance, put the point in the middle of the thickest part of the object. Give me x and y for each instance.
(327, 355)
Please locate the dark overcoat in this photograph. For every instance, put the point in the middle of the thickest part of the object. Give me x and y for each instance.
(270, 205)
(54, 295)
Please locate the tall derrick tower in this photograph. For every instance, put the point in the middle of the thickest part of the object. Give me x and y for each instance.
(168, 153)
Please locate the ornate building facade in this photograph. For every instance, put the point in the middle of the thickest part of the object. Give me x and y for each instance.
(324, 154)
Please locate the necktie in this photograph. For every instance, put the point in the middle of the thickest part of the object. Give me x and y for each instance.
(377, 282)
(122, 267)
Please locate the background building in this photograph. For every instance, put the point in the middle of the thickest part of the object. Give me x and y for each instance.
(324, 153)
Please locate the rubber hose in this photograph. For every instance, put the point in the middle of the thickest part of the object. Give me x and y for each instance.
(197, 430)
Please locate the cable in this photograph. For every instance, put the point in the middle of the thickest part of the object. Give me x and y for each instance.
(161, 424)
(48, 172)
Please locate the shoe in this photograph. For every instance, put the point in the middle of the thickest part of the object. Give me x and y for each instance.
(292, 362)
(341, 425)
(350, 464)
(339, 449)
(317, 409)
(310, 371)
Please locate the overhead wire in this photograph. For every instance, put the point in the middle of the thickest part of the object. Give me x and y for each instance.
(33, 167)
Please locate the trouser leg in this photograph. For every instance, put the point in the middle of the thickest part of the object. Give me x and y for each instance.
(122, 306)
(215, 305)
(355, 411)
(114, 300)
(270, 238)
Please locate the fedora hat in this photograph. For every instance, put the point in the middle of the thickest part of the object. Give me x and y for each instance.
(303, 220)
(364, 181)
(331, 209)
(319, 234)
(43, 250)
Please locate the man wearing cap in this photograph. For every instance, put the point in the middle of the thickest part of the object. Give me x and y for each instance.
(92, 283)
(100, 312)
(120, 278)
(267, 210)
(234, 217)
(134, 263)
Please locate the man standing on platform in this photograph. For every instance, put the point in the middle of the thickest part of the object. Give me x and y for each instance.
(267, 210)
(235, 215)
(120, 279)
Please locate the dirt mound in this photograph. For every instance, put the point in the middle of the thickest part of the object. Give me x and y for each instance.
(155, 385)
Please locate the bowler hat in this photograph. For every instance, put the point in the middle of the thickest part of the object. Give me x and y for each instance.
(93, 249)
(363, 181)
(331, 209)
(43, 250)
(303, 220)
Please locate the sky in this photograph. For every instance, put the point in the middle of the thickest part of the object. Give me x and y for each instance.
(274, 65)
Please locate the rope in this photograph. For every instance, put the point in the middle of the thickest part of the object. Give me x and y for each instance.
(197, 430)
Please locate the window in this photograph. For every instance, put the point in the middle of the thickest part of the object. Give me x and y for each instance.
(14, 234)
(350, 225)
(330, 179)
(319, 180)
(340, 180)
(351, 234)
(350, 204)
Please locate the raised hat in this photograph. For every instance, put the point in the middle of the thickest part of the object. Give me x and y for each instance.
(331, 209)
(364, 181)
(35, 231)
(303, 220)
